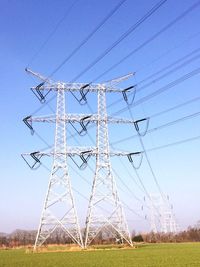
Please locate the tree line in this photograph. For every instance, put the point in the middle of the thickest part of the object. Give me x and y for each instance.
(27, 238)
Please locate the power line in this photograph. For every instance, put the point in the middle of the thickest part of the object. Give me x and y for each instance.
(120, 179)
(171, 65)
(147, 159)
(130, 191)
(175, 107)
(170, 24)
(116, 174)
(162, 89)
(127, 206)
(175, 143)
(139, 82)
(143, 187)
(120, 39)
(164, 75)
(110, 14)
(140, 181)
(77, 191)
(129, 174)
(151, 116)
(89, 36)
(52, 32)
(141, 88)
(145, 190)
(144, 151)
(168, 51)
(84, 197)
(148, 14)
(169, 72)
(166, 146)
(127, 187)
(190, 116)
(151, 170)
(133, 211)
(153, 37)
(83, 178)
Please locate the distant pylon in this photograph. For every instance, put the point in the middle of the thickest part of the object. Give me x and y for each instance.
(105, 209)
(162, 217)
(153, 218)
(59, 209)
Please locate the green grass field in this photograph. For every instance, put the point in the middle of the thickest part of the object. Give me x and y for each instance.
(153, 255)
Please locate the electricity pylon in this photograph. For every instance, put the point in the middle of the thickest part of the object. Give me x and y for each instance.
(59, 192)
(104, 191)
(162, 217)
(105, 210)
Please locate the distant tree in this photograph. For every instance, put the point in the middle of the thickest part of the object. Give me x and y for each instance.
(197, 226)
(133, 234)
(138, 238)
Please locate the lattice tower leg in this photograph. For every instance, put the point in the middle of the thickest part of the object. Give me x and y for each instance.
(105, 213)
(59, 210)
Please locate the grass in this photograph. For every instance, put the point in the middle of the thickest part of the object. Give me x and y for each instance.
(151, 255)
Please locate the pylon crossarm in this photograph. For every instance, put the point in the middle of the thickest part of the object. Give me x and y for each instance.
(39, 76)
(74, 118)
(76, 87)
(84, 85)
(79, 151)
(119, 79)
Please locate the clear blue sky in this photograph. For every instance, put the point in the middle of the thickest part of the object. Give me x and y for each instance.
(25, 25)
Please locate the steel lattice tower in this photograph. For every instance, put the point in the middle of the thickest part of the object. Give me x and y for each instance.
(104, 191)
(162, 217)
(59, 192)
(105, 211)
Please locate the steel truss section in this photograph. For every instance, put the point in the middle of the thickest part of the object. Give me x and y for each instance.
(88, 87)
(77, 118)
(104, 191)
(59, 208)
(77, 151)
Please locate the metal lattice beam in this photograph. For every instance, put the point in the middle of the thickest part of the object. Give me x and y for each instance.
(77, 118)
